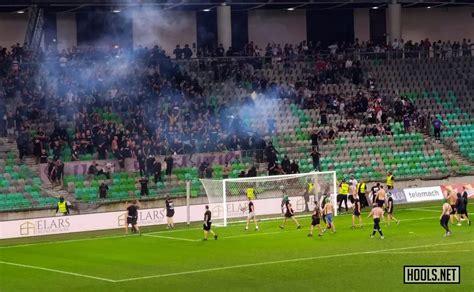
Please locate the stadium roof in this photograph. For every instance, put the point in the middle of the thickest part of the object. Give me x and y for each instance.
(110, 5)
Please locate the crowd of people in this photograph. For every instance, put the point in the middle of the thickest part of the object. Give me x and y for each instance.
(139, 104)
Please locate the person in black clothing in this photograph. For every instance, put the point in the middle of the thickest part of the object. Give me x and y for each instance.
(132, 217)
(286, 165)
(169, 212)
(289, 214)
(242, 174)
(149, 165)
(141, 163)
(295, 168)
(59, 172)
(144, 186)
(169, 164)
(315, 155)
(209, 172)
(102, 151)
(464, 199)
(103, 188)
(461, 211)
(373, 192)
(44, 156)
(157, 171)
(178, 52)
(252, 172)
(314, 139)
(316, 219)
(187, 52)
(207, 224)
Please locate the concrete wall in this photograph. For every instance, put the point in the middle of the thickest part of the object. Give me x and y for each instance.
(438, 23)
(66, 31)
(164, 28)
(12, 29)
(362, 24)
(278, 26)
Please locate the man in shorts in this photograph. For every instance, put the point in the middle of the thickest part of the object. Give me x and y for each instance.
(444, 218)
(452, 199)
(390, 209)
(289, 214)
(132, 217)
(377, 213)
(316, 220)
(251, 215)
(206, 226)
(328, 212)
(169, 212)
(356, 212)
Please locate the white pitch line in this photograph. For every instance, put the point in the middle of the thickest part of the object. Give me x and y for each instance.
(284, 261)
(61, 241)
(170, 237)
(427, 251)
(58, 271)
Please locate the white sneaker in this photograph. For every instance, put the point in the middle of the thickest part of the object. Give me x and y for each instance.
(459, 224)
(381, 237)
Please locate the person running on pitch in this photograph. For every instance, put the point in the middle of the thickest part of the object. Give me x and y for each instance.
(444, 218)
(461, 210)
(251, 215)
(289, 214)
(452, 199)
(169, 212)
(316, 220)
(356, 211)
(206, 226)
(464, 199)
(390, 209)
(328, 212)
(132, 217)
(377, 213)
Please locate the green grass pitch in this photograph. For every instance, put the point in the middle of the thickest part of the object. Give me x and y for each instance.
(267, 260)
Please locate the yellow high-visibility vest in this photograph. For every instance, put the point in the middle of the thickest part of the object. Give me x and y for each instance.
(344, 189)
(310, 187)
(361, 188)
(250, 193)
(62, 207)
(390, 180)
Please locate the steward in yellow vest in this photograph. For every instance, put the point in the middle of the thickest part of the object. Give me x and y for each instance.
(62, 207)
(390, 180)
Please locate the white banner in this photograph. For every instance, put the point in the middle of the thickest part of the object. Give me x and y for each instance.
(423, 194)
(146, 217)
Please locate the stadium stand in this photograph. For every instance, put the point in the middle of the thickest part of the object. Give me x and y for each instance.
(380, 101)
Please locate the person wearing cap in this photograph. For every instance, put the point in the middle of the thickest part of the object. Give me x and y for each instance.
(62, 207)
(169, 212)
(390, 209)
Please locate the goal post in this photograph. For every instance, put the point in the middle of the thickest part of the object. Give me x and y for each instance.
(228, 197)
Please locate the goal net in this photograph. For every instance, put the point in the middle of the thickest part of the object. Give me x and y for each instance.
(228, 198)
